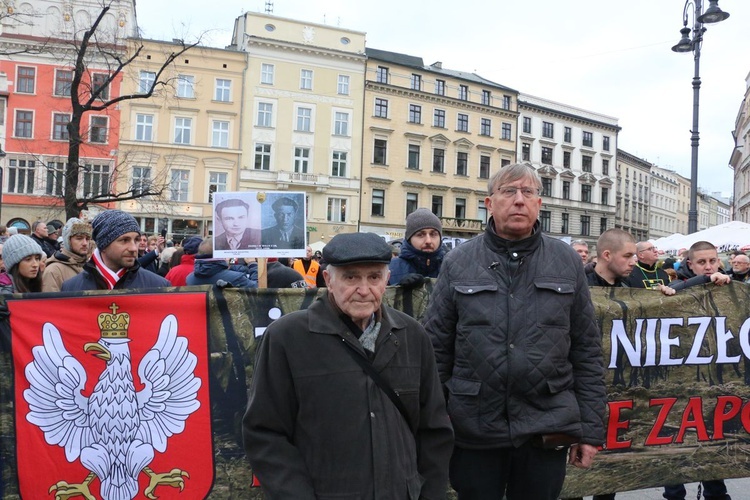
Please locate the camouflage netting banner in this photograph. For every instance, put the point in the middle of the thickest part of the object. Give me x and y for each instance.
(678, 379)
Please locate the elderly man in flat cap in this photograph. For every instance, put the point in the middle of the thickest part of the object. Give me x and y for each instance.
(345, 400)
(114, 264)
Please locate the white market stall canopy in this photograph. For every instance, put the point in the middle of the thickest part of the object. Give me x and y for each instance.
(728, 236)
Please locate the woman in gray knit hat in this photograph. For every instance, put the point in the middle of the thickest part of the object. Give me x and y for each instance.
(23, 260)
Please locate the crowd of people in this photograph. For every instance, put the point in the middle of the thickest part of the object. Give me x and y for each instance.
(495, 392)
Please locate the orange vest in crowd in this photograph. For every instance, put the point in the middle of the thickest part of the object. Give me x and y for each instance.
(312, 272)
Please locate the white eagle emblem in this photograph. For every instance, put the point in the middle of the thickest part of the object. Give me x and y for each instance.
(116, 430)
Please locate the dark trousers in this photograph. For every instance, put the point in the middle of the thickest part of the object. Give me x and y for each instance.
(712, 490)
(524, 473)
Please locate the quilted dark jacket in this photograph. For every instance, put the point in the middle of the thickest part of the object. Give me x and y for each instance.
(517, 347)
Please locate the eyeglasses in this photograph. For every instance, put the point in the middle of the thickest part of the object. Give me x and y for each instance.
(510, 191)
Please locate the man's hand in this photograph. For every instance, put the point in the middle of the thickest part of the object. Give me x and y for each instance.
(160, 243)
(720, 279)
(666, 290)
(582, 455)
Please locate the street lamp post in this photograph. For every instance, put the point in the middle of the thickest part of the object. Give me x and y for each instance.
(2, 155)
(712, 15)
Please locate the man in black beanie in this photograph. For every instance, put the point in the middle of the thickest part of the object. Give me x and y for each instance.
(114, 264)
(421, 253)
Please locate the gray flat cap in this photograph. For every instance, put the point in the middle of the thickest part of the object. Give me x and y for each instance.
(357, 248)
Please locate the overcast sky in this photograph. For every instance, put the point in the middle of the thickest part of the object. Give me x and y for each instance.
(604, 56)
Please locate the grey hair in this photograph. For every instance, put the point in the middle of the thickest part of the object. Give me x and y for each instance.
(512, 173)
(579, 242)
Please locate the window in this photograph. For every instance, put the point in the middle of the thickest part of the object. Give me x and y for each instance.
(416, 82)
(265, 114)
(568, 134)
(605, 143)
(26, 80)
(506, 131)
(262, 157)
(415, 113)
(21, 176)
(412, 202)
(141, 180)
(63, 81)
(378, 203)
(506, 102)
(341, 123)
(462, 163)
(438, 119)
(545, 220)
(484, 167)
(217, 183)
(585, 225)
(602, 225)
(460, 208)
(178, 185)
(266, 73)
(24, 124)
(526, 124)
(100, 83)
(586, 163)
(605, 167)
(482, 212)
(462, 123)
(546, 155)
(486, 97)
(548, 130)
(485, 126)
(338, 164)
(381, 74)
(95, 180)
(565, 223)
(588, 139)
(566, 190)
(55, 177)
(379, 152)
(301, 160)
(438, 160)
(220, 134)
(440, 87)
(186, 86)
(60, 126)
(546, 186)
(437, 205)
(336, 210)
(586, 193)
(504, 162)
(605, 196)
(304, 119)
(98, 129)
(343, 85)
(463, 92)
(306, 79)
(566, 159)
(144, 127)
(381, 108)
(413, 161)
(146, 80)
(182, 129)
(223, 90)
(525, 151)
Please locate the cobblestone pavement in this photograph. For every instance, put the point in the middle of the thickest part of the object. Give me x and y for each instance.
(738, 489)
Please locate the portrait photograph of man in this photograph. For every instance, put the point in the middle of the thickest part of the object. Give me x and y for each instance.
(236, 224)
(284, 221)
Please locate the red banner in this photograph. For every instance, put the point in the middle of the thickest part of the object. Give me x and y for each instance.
(112, 396)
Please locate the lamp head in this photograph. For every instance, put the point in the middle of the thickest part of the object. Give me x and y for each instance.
(685, 44)
(713, 14)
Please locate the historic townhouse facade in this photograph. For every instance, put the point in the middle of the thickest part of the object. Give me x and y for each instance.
(432, 138)
(683, 204)
(38, 105)
(740, 158)
(185, 140)
(574, 152)
(663, 203)
(633, 182)
(302, 116)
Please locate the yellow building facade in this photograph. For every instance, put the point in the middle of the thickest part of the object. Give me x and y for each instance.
(184, 141)
(432, 138)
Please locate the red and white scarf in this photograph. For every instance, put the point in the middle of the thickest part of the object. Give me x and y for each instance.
(110, 277)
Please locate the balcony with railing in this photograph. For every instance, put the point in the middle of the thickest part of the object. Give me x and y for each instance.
(467, 225)
(283, 179)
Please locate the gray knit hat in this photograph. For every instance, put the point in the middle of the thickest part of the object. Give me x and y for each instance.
(18, 247)
(422, 218)
(73, 227)
(110, 225)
